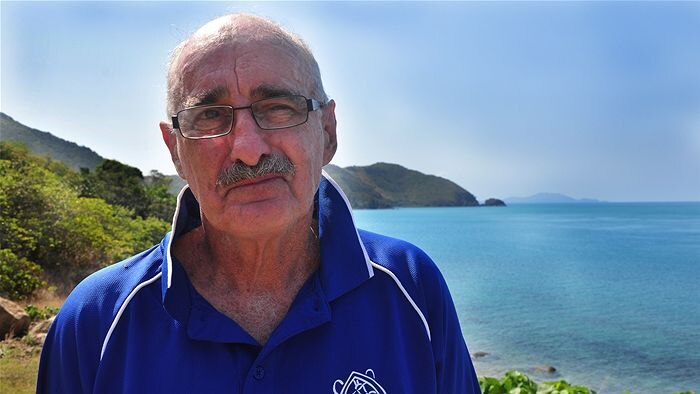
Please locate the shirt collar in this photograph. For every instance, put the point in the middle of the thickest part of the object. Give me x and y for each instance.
(344, 260)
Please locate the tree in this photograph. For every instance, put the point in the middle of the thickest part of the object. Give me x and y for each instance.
(161, 203)
(120, 184)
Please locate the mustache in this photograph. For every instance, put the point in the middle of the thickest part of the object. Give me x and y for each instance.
(268, 164)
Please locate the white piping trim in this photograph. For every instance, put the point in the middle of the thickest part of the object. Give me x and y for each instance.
(168, 257)
(347, 202)
(123, 307)
(405, 293)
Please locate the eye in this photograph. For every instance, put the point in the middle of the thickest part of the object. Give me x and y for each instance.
(211, 113)
(280, 112)
(207, 119)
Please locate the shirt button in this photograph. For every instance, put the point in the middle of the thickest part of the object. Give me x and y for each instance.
(259, 372)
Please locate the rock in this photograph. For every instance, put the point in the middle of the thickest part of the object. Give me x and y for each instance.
(545, 369)
(479, 354)
(14, 321)
(494, 202)
(43, 326)
(38, 332)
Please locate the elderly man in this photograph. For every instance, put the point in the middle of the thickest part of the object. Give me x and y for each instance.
(264, 284)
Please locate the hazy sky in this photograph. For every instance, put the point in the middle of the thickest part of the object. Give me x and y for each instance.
(597, 100)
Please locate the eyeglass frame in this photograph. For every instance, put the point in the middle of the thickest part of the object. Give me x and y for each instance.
(311, 105)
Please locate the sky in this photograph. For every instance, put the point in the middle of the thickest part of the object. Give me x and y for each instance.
(590, 99)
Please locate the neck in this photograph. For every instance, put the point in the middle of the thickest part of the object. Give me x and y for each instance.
(249, 264)
(251, 280)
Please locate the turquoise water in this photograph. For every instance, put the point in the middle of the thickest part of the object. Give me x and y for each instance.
(608, 293)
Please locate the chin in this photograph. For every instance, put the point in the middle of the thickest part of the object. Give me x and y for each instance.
(260, 217)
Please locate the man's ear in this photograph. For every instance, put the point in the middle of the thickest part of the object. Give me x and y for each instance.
(170, 139)
(330, 140)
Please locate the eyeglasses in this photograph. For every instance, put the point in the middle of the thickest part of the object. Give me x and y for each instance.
(210, 121)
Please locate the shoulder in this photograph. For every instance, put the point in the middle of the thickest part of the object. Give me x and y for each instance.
(408, 262)
(73, 346)
(412, 271)
(91, 307)
(425, 288)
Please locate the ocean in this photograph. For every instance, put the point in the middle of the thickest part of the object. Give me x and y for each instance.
(607, 293)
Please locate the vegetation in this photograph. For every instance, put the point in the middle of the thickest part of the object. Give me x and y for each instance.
(19, 277)
(515, 382)
(122, 185)
(35, 313)
(59, 225)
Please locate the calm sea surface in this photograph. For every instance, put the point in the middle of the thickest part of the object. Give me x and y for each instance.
(609, 294)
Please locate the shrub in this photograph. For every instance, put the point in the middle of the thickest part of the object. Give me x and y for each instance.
(40, 314)
(563, 387)
(515, 382)
(19, 277)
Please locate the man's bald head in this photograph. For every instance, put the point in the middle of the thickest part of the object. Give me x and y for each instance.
(237, 29)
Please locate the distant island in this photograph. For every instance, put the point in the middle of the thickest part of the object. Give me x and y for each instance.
(494, 202)
(548, 198)
(380, 185)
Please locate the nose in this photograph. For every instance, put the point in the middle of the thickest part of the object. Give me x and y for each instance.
(248, 141)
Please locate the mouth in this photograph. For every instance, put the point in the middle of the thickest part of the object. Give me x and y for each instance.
(256, 181)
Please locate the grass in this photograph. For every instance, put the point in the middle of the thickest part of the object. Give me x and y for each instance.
(19, 363)
(19, 357)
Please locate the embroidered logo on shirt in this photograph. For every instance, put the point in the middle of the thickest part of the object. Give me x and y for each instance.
(358, 383)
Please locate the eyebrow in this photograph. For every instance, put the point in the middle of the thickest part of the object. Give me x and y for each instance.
(215, 95)
(266, 91)
(208, 97)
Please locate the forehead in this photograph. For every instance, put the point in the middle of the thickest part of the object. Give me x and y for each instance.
(243, 71)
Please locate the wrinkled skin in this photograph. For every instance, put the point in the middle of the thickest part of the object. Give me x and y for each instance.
(272, 204)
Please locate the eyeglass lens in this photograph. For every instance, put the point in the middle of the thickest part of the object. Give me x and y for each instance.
(269, 114)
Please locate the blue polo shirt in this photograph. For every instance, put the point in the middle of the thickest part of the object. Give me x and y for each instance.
(376, 317)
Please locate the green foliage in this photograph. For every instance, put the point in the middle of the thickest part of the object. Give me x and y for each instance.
(117, 184)
(19, 277)
(515, 382)
(122, 185)
(161, 203)
(91, 235)
(562, 387)
(46, 222)
(36, 313)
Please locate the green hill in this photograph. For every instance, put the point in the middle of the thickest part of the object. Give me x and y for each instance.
(46, 144)
(384, 185)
